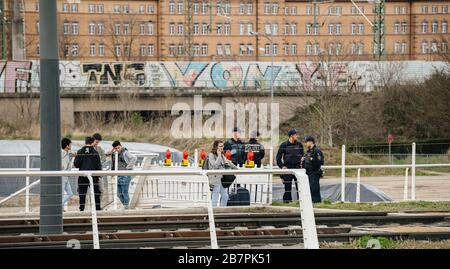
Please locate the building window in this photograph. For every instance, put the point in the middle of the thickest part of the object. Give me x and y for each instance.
(275, 8)
(286, 49)
(242, 49)
(117, 29)
(117, 9)
(286, 28)
(330, 29)
(204, 28)
(150, 9)
(266, 8)
(101, 50)
(424, 9)
(249, 28)
(142, 29)
(196, 7)
(338, 28)
(434, 27)
(445, 9)
(195, 29)
(274, 29)
(92, 49)
(444, 27)
(141, 11)
(434, 47)
(293, 29)
(219, 28)
(151, 50)
(397, 27)
(227, 29)
(172, 50)
(308, 10)
(75, 28)
(361, 48)
(74, 8)
(434, 9)
(308, 28)
(101, 28)
(241, 29)
(250, 7)
(308, 48)
(100, 8)
(424, 27)
(91, 8)
(38, 49)
(37, 27)
(204, 50)
(126, 28)
(316, 29)
(361, 29)
(204, 7)
(227, 49)
(241, 8)
(275, 49)
(196, 50)
(404, 27)
(293, 10)
(219, 50)
(172, 7)
(150, 28)
(444, 47)
(36, 7)
(65, 7)
(403, 47)
(353, 31)
(250, 49)
(293, 49)
(267, 49)
(92, 28)
(424, 47)
(397, 47)
(142, 50)
(75, 50)
(330, 49)
(180, 49)
(404, 10)
(118, 50)
(227, 8)
(180, 28)
(172, 28)
(267, 29)
(180, 7)
(397, 10)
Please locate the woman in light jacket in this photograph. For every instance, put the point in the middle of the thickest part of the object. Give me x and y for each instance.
(217, 161)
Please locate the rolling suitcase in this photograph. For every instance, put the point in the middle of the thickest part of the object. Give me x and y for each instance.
(239, 197)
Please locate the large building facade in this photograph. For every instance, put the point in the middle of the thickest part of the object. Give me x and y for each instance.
(230, 30)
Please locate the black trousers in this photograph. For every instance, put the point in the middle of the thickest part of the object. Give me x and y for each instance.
(314, 186)
(287, 181)
(83, 185)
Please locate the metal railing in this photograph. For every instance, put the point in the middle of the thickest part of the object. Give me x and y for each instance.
(310, 238)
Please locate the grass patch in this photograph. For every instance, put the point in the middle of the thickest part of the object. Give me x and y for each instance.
(385, 207)
(386, 243)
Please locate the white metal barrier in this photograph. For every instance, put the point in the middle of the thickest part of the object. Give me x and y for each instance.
(305, 203)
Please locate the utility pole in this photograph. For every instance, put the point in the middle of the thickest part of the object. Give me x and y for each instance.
(51, 191)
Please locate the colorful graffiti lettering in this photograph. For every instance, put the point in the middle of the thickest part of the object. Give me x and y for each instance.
(183, 74)
(255, 78)
(116, 74)
(226, 75)
(15, 75)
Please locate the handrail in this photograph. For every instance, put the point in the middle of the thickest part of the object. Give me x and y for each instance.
(310, 238)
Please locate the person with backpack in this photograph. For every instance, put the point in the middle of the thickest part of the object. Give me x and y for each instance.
(216, 160)
(87, 159)
(126, 161)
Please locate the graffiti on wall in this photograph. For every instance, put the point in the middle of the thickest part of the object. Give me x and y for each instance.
(16, 76)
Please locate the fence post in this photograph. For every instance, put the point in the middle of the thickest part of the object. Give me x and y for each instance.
(195, 158)
(95, 237)
(413, 172)
(405, 186)
(270, 185)
(116, 168)
(212, 224)
(358, 186)
(343, 174)
(27, 184)
(309, 229)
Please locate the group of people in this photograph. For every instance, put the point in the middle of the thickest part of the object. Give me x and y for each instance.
(92, 157)
(290, 155)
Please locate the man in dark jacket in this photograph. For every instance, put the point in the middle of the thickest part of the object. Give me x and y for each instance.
(87, 160)
(289, 156)
(256, 147)
(312, 162)
(237, 148)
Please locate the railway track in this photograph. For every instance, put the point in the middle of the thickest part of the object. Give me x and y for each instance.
(191, 230)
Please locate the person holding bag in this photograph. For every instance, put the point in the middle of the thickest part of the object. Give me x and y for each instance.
(216, 161)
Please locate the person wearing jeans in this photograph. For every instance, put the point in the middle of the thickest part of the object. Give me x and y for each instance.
(126, 162)
(67, 157)
(216, 160)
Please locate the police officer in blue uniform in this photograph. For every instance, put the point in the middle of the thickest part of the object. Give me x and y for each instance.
(289, 156)
(256, 147)
(312, 162)
(236, 147)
